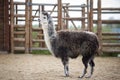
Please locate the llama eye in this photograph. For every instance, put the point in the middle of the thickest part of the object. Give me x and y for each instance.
(44, 17)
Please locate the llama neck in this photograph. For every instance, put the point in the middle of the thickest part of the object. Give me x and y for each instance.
(49, 32)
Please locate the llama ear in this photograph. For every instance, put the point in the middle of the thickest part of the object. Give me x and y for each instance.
(45, 13)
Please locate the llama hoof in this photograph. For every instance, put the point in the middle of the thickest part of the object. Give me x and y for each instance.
(80, 77)
(66, 75)
(89, 76)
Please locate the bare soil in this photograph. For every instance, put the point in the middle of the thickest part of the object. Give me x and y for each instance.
(47, 67)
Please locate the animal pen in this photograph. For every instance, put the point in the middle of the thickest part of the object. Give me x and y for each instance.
(24, 36)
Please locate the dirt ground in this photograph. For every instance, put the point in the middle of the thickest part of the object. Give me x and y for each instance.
(46, 67)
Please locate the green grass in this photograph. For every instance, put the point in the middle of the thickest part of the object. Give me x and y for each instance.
(104, 29)
(109, 54)
(41, 52)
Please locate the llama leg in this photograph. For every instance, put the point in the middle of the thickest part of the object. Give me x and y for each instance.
(92, 64)
(85, 62)
(66, 68)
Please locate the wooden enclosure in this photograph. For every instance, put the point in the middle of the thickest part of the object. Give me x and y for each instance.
(25, 36)
(4, 27)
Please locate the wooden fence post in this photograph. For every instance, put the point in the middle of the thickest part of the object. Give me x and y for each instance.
(83, 16)
(67, 11)
(99, 25)
(30, 27)
(27, 26)
(6, 27)
(91, 16)
(12, 24)
(88, 28)
(59, 14)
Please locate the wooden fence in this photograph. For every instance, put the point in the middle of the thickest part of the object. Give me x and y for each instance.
(22, 35)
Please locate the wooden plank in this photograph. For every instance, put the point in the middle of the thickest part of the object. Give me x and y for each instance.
(19, 15)
(111, 51)
(108, 21)
(19, 3)
(91, 16)
(88, 15)
(111, 44)
(69, 17)
(19, 48)
(59, 14)
(6, 27)
(114, 9)
(75, 18)
(37, 29)
(110, 34)
(108, 12)
(99, 26)
(76, 6)
(30, 27)
(66, 12)
(109, 38)
(19, 32)
(40, 35)
(16, 12)
(19, 39)
(20, 26)
(27, 27)
(41, 4)
(83, 16)
(38, 40)
(12, 24)
(34, 48)
(22, 15)
(52, 10)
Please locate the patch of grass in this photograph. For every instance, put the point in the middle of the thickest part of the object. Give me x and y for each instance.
(42, 52)
(109, 54)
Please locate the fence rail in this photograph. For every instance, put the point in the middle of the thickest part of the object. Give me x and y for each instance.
(62, 19)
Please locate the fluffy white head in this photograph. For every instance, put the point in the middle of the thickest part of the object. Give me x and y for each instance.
(45, 26)
(44, 21)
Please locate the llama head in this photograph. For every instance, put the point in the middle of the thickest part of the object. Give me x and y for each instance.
(47, 17)
(46, 20)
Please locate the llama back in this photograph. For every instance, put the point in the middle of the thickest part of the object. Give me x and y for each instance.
(75, 43)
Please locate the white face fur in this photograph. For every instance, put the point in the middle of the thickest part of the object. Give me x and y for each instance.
(44, 21)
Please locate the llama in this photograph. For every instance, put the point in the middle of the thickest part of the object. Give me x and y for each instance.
(70, 44)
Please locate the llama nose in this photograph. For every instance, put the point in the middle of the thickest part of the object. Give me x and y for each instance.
(39, 20)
